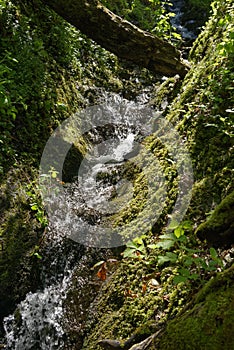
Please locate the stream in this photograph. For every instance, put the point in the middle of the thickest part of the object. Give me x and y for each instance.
(178, 9)
(38, 322)
(80, 232)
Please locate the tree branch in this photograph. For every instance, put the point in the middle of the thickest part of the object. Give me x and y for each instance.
(120, 36)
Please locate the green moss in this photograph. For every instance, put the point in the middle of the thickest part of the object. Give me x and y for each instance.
(125, 311)
(48, 71)
(209, 324)
(20, 232)
(166, 92)
(219, 228)
(199, 112)
(68, 64)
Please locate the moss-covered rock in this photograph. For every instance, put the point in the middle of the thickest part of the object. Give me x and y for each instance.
(20, 233)
(209, 322)
(201, 113)
(48, 71)
(219, 227)
(69, 67)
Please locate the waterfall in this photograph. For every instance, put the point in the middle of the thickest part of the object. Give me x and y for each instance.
(176, 21)
(38, 321)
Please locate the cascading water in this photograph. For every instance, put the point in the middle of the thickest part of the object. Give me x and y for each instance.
(176, 21)
(40, 316)
(79, 211)
(38, 320)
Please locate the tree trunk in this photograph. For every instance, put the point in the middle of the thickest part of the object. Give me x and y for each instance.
(120, 36)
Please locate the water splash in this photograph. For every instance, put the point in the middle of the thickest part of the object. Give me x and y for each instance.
(38, 320)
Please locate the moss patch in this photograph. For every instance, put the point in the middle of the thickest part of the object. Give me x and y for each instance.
(201, 113)
(219, 228)
(210, 323)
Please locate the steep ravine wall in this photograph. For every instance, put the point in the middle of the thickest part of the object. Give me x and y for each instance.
(48, 71)
(203, 113)
(66, 77)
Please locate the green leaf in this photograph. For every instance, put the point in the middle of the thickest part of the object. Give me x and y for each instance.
(192, 251)
(167, 236)
(138, 240)
(194, 276)
(176, 35)
(189, 261)
(187, 225)
(172, 256)
(30, 194)
(212, 266)
(132, 245)
(152, 246)
(54, 174)
(201, 262)
(179, 231)
(129, 253)
(162, 259)
(173, 224)
(169, 256)
(180, 279)
(182, 239)
(184, 272)
(213, 253)
(141, 248)
(165, 244)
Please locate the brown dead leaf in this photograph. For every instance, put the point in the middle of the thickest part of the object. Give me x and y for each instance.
(102, 272)
(144, 287)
